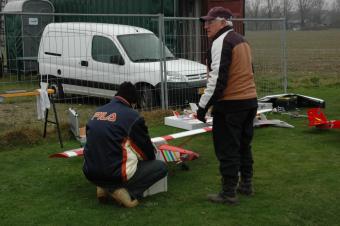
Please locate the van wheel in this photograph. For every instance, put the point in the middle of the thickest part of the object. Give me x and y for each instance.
(58, 90)
(147, 97)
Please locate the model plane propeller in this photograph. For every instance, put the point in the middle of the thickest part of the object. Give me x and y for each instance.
(318, 119)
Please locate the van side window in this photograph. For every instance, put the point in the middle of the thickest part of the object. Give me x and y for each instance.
(104, 50)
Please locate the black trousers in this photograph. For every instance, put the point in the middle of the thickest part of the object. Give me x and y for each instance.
(232, 136)
(147, 173)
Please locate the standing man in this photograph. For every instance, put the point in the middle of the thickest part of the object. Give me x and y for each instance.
(232, 93)
(119, 155)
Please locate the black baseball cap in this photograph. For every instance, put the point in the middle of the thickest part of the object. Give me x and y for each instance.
(128, 91)
(216, 12)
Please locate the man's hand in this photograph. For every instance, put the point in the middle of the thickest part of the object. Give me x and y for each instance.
(201, 114)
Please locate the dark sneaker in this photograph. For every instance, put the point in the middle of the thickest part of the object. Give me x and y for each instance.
(219, 198)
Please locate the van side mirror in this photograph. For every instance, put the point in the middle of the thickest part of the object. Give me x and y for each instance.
(117, 59)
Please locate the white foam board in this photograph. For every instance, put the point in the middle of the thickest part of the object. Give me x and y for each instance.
(185, 122)
(159, 186)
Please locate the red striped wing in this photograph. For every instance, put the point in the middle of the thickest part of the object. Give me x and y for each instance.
(69, 154)
(185, 155)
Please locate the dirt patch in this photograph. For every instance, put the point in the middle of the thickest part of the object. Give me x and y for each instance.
(24, 136)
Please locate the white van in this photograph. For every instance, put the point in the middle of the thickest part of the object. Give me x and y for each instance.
(93, 59)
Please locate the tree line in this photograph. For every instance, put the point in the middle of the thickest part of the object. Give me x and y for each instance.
(299, 14)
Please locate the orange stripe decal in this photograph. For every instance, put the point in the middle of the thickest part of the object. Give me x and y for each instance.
(138, 150)
(124, 177)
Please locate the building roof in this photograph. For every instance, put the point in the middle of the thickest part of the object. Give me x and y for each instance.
(109, 29)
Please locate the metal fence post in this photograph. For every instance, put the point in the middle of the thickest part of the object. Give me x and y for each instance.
(161, 54)
(166, 102)
(284, 55)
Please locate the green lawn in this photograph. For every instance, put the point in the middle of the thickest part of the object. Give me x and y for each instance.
(296, 179)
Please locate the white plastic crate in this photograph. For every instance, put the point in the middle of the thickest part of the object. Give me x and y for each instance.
(159, 186)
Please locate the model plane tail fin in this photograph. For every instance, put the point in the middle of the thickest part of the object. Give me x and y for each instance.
(316, 117)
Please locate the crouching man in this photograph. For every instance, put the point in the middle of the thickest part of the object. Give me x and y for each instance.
(119, 157)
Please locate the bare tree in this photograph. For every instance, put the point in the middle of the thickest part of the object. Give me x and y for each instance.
(273, 9)
(316, 11)
(253, 8)
(335, 13)
(337, 5)
(287, 8)
(304, 7)
(270, 6)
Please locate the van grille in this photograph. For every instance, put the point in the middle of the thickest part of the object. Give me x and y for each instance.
(196, 76)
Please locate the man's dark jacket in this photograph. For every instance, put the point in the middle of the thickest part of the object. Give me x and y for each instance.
(117, 138)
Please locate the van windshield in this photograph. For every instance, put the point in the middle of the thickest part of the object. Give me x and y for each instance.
(143, 47)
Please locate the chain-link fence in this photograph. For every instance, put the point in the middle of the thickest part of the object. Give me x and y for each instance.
(84, 58)
(267, 38)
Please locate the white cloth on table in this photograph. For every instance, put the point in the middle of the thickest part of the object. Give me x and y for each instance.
(43, 102)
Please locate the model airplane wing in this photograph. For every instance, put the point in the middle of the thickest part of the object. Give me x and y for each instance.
(162, 140)
(261, 121)
(167, 152)
(292, 100)
(69, 153)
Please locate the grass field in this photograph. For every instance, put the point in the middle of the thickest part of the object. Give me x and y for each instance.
(296, 180)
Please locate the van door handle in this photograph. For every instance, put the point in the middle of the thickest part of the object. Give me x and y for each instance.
(84, 63)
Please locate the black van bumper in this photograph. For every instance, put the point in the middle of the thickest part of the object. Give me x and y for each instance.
(181, 93)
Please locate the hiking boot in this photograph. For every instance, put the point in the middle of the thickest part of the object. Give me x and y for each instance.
(123, 197)
(221, 198)
(248, 191)
(102, 195)
(246, 188)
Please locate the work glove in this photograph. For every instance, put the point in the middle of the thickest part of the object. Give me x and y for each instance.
(201, 114)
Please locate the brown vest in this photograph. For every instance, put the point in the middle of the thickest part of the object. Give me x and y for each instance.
(241, 84)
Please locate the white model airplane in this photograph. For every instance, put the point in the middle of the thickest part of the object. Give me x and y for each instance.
(188, 119)
(165, 152)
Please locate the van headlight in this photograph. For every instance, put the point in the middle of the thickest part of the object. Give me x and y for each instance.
(175, 77)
